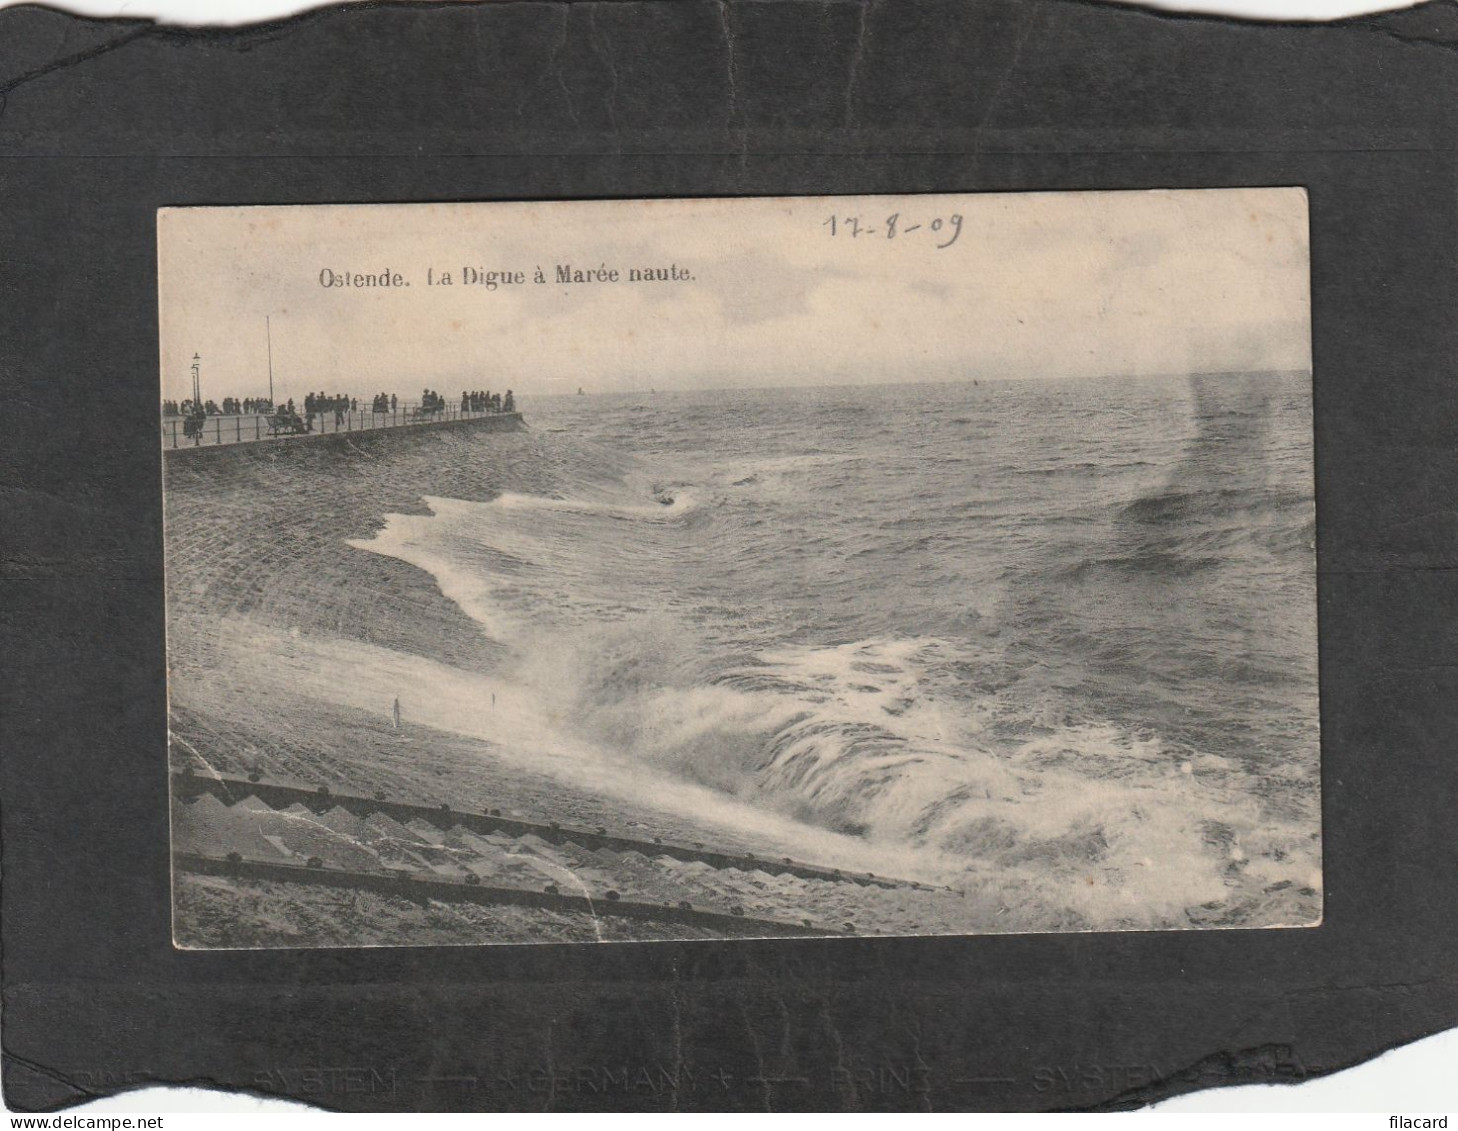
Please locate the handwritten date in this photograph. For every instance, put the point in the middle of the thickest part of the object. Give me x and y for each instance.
(942, 230)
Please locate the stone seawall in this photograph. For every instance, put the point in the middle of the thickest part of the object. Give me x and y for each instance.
(260, 530)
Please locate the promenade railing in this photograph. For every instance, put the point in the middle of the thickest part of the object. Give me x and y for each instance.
(246, 427)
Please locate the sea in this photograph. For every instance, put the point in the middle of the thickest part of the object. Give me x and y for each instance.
(1052, 629)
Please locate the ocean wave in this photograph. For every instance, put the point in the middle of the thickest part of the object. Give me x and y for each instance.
(867, 739)
(908, 655)
(1182, 506)
(666, 502)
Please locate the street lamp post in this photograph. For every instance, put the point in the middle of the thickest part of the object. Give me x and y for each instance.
(197, 405)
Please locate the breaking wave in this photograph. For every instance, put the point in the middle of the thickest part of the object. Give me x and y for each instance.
(903, 651)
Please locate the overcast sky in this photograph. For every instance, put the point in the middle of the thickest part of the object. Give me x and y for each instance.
(1035, 284)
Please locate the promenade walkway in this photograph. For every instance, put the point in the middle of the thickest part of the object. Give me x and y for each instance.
(241, 429)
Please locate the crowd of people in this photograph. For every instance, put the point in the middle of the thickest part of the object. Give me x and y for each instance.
(322, 403)
(478, 401)
(286, 416)
(430, 402)
(187, 408)
(231, 406)
(483, 401)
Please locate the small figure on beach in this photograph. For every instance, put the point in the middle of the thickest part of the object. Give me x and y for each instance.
(397, 712)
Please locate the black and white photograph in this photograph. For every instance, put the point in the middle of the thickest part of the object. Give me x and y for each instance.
(633, 570)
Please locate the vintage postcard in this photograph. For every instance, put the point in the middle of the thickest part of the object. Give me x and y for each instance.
(721, 568)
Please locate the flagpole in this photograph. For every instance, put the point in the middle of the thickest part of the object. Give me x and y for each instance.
(268, 328)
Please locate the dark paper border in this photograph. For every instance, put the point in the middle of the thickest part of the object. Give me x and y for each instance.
(104, 122)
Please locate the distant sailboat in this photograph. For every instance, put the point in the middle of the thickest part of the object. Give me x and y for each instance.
(580, 393)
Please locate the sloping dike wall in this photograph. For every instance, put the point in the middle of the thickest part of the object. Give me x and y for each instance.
(261, 529)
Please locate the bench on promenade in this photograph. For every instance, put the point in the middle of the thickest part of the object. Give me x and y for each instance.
(286, 425)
